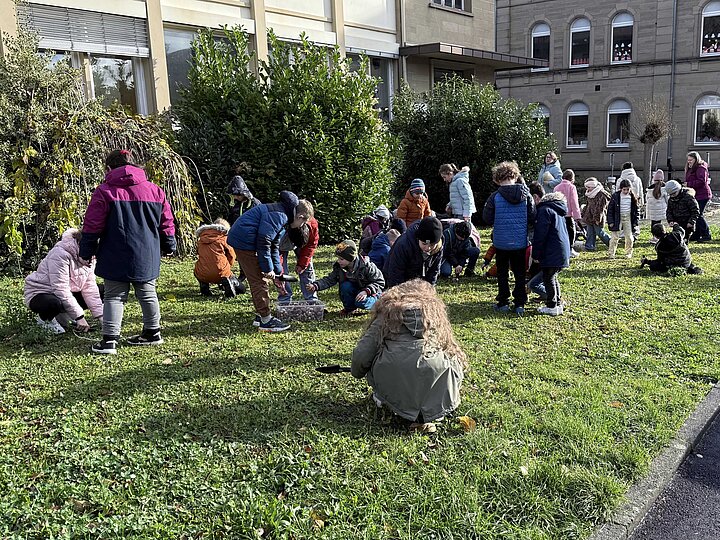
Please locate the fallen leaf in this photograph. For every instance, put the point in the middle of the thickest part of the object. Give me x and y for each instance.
(432, 444)
(616, 404)
(167, 361)
(171, 298)
(523, 470)
(411, 461)
(467, 423)
(424, 458)
(308, 449)
(317, 519)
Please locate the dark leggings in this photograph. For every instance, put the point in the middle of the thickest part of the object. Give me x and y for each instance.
(48, 306)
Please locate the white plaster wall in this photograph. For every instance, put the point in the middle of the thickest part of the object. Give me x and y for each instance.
(207, 13)
(377, 13)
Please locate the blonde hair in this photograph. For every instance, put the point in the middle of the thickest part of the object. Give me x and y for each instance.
(222, 222)
(698, 160)
(305, 208)
(507, 170)
(418, 295)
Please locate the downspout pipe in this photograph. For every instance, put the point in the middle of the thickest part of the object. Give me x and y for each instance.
(673, 52)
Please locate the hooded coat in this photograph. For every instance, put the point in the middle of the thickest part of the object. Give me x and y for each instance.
(380, 250)
(683, 208)
(567, 188)
(215, 257)
(636, 185)
(551, 242)
(128, 224)
(410, 210)
(595, 210)
(511, 211)
(361, 271)
(656, 208)
(672, 250)
(407, 375)
(462, 201)
(237, 186)
(62, 273)
(406, 260)
(556, 172)
(698, 179)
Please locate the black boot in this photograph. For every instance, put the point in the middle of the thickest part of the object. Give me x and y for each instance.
(205, 289)
(232, 286)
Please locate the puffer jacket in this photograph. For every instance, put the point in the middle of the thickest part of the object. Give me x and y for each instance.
(237, 186)
(555, 170)
(699, 180)
(380, 250)
(462, 201)
(361, 271)
(595, 210)
(215, 257)
(261, 228)
(406, 260)
(551, 243)
(656, 209)
(636, 185)
(410, 376)
(410, 210)
(613, 213)
(307, 251)
(683, 208)
(672, 250)
(567, 188)
(511, 211)
(61, 273)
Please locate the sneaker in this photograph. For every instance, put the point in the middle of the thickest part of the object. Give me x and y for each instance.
(427, 427)
(51, 326)
(643, 261)
(148, 337)
(552, 311)
(257, 321)
(502, 309)
(573, 253)
(273, 325)
(519, 311)
(108, 345)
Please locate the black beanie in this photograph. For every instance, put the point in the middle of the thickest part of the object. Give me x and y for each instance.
(347, 250)
(430, 230)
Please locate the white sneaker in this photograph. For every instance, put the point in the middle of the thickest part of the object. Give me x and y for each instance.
(573, 253)
(552, 311)
(51, 326)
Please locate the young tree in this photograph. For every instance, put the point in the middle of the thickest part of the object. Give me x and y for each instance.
(651, 125)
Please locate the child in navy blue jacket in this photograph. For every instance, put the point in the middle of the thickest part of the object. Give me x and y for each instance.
(551, 247)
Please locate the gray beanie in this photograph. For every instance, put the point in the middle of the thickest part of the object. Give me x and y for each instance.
(673, 187)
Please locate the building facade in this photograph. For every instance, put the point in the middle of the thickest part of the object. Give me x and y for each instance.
(606, 59)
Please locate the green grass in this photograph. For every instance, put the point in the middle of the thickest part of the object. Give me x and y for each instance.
(226, 433)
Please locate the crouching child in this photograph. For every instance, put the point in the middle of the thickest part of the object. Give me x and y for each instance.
(216, 259)
(360, 281)
(671, 251)
(459, 251)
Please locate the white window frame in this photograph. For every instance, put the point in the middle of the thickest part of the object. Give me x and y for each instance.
(712, 9)
(622, 20)
(543, 111)
(450, 4)
(618, 106)
(581, 24)
(576, 109)
(708, 102)
(540, 30)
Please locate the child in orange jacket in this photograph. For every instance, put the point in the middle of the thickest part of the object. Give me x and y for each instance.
(415, 205)
(215, 259)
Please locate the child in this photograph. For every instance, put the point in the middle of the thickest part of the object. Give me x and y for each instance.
(255, 236)
(671, 251)
(215, 260)
(304, 241)
(63, 287)
(636, 186)
(128, 224)
(416, 254)
(372, 226)
(459, 251)
(511, 210)
(462, 201)
(238, 190)
(623, 215)
(410, 357)
(682, 207)
(415, 205)
(381, 247)
(551, 248)
(360, 281)
(595, 213)
(568, 189)
(657, 199)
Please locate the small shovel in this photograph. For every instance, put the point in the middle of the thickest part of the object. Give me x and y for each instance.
(333, 369)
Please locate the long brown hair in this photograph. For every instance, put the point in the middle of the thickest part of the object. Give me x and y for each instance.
(449, 167)
(419, 295)
(657, 189)
(697, 158)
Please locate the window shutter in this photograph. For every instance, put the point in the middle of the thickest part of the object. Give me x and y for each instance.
(68, 29)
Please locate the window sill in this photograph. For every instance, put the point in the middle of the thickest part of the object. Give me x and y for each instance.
(579, 66)
(706, 144)
(450, 9)
(710, 55)
(619, 146)
(576, 149)
(620, 62)
(539, 70)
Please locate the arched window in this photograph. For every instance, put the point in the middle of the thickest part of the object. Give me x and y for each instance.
(540, 45)
(577, 125)
(580, 43)
(618, 132)
(622, 37)
(707, 120)
(710, 43)
(543, 113)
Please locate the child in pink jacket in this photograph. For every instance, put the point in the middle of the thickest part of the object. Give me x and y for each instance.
(567, 188)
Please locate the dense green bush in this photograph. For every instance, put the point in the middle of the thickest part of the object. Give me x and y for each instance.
(464, 123)
(306, 124)
(53, 143)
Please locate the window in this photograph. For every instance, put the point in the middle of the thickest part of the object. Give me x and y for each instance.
(543, 113)
(114, 80)
(577, 125)
(178, 53)
(580, 43)
(618, 133)
(622, 36)
(710, 30)
(457, 4)
(707, 120)
(540, 45)
(440, 74)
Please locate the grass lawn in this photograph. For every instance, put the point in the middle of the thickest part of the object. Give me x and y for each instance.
(226, 433)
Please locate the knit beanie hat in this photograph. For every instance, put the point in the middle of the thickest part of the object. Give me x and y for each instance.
(417, 185)
(382, 212)
(347, 250)
(659, 175)
(429, 230)
(591, 184)
(673, 187)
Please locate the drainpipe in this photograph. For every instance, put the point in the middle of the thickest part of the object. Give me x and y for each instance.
(672, 84)
(403, 59)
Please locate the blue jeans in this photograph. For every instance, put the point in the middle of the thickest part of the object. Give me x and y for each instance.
(308, 276)
(446, 269)
(348, 292)
(537, 285)
(593, 231)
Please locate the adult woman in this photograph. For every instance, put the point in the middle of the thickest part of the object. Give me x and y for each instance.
(462, 202)
(550, 173)
(63, 286)
(697, 178)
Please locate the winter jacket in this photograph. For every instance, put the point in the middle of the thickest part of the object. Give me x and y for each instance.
(567, 188)
(455, 250)
(511, 211)
(237, 186)
(683, 208)
(261, 228)
(407, 261)
(215, 257)
(380, 250)
(595, 210)
(61, 273)
(555, 170)
(411, 210)
(307, 251)
(551, 243)
(361, 271)
(613, 213)
(672, 250)
(656, 208)
(636, 185)
(405, 374)
(699, 180)
(127, 225)
(462, 201)
(371, 226)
